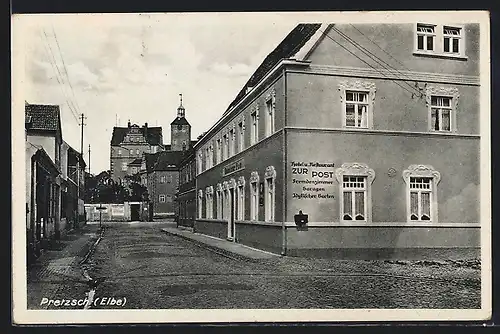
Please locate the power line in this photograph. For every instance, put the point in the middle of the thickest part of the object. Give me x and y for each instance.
(65, 69)
(367, 63)
(56, 70)
(384, 64)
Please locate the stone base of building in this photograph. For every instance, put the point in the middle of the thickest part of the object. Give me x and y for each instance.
(394, 241)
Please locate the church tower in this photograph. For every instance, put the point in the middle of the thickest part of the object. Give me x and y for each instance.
(180, 130)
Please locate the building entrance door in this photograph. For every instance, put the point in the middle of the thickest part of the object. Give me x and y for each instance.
(134, 212)
(230, 221)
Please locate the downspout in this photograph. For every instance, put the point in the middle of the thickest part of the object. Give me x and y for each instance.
(284, 197)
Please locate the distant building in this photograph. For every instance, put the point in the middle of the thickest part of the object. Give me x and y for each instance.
(384, 161)
(129, 144)
(186, 194)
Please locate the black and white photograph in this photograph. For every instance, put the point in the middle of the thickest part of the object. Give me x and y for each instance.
(248, 167)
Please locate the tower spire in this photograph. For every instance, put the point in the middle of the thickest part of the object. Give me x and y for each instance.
(180, 111)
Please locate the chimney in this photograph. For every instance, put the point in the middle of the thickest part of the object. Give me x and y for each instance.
(146, 131)
(128, 124)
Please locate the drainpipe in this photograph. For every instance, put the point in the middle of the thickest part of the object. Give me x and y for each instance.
(284, 208)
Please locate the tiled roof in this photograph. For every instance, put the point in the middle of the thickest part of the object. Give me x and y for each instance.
(168, 160)
(292, 43)
(150, 161)
(180, 121)
(43, 116)
(154, 135)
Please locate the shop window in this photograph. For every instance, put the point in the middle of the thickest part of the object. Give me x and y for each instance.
(357, 100)
(355, 191)
(421, 183)
(254, 196)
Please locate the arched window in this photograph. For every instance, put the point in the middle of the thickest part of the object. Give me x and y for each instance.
(240, 193)
(254, 196)
(355, 191)
(421, 193)
(209, 202)
(200, 203)
(269, 193)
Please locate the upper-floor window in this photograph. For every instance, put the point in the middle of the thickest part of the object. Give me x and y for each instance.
(254, 132)
(439, 40)
(162, 179)
(124, 166)
(137, 152)
(426, 35)
(451, 39)
(357, 98)
(131, 152)
(200, 162)
(231, 143)
(119, 151)
(218, 151)
(225, 147)
(442, 103)
(241, 137)
(161, 198)
(270, 113)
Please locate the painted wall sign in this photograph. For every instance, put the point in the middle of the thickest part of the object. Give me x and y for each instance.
(312, 180)
(233, 167)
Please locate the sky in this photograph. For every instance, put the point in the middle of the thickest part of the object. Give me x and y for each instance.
(115, 68)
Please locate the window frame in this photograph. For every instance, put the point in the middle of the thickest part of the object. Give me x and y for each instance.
(200, 204)
(439, 40)
(270, 103)
(241, 136)
(422, 171)
(254, 196)
(356, 169)
(220, 202)
(270, 194)
(254, 125)
(357, 87)
(448, 92)
(240, 193)
(209, 202)
(426, 36)
(160, 196)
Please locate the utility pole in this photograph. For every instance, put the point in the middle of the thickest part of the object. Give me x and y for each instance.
(82, 124)
(89, 158)
(78, 172)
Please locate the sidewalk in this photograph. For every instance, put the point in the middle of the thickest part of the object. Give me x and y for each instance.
(223, 247)
(61, 265)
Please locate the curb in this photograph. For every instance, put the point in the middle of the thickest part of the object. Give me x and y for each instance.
(215, 249)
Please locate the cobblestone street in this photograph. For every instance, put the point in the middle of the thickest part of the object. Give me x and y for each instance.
(155, 270)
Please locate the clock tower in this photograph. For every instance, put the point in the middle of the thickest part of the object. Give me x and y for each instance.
(180, 130)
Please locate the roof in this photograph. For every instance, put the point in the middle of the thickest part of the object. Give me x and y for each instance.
(150, 160)
(154, 135)
(45, 117)
(180, 121)
(168, 160)
(292, 44)
(136, 162)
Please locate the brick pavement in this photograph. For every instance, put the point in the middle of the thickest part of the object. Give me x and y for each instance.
(57, 267)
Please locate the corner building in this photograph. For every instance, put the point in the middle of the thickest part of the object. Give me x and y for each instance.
(376, 142)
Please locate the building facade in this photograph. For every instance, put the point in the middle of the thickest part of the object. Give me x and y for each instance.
(186, 194)
(129, 144)
(375, 142)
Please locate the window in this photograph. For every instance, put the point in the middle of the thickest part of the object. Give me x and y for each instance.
(270, 176)
(131, 152)
(124, 166)
(138, 152)
(241, 137)
(355, 191)
(442, 103)
(224, 147)
(231, 143)
(440, 113)
(254, 134)
(357, 99)
(356, 109)
(162, 179)
(119, 151)
(451, 39)
(218, 152)
(200, 162)
(161, 198)
(270, 108)
(254, 196)
(354, 198)
(209, 202)
(219, 202)
(425, 37)
(200, 204)
(421, 202)
(240, 193)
